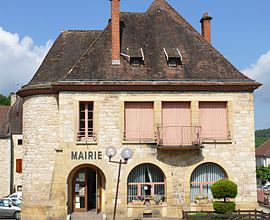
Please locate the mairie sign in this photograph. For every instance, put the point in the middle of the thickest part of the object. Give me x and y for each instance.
(86, 155)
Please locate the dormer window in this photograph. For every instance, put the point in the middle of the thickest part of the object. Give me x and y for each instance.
(135, 56)
(173, 56)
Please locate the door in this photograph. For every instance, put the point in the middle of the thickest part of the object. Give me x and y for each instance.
(87, 190)
(80, 189)
(99, 192)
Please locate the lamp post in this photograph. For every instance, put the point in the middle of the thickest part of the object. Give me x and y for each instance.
(126, 154)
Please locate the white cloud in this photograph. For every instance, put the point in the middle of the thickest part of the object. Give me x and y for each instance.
(19, 60)
(260, 71)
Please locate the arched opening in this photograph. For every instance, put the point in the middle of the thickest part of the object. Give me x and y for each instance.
(203, 177)
(146, 181)
(86, 187)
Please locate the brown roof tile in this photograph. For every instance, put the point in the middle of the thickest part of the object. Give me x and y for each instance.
(85, 56)
(264, 149)
(4, 110)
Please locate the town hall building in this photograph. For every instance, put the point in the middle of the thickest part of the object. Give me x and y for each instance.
(148, 82)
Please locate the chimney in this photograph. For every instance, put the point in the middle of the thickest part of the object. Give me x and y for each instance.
(206, 26)
(115, 23)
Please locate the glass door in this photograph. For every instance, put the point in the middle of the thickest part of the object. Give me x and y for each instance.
(80, 191)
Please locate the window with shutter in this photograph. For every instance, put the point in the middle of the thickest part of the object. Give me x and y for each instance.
(213, 120)
(139, 121)
(18, 165)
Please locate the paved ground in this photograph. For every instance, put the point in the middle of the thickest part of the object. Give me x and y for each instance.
(94, 216)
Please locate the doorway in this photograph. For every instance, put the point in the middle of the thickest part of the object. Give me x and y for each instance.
(87, 190)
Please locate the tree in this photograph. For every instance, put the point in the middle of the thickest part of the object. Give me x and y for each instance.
(263, 172)
(224, 189)
(4, 100)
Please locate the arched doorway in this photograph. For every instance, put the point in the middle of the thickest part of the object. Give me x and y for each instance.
(86, 185)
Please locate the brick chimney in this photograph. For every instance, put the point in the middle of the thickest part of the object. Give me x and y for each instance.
(115, 23)
(206, 26)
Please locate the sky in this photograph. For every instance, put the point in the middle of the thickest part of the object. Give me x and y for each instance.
(240, 31)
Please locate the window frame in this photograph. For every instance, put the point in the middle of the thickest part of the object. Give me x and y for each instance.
(227, 128)
(205, 183)
(83, 136)
(140, 185)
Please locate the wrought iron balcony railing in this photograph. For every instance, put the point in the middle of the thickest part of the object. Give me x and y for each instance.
(179, 136)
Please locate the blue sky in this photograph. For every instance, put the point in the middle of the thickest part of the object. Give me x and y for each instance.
(240, 31)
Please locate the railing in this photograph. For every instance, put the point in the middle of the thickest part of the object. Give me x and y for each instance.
(239, 214)
(218, 135)
(178, 135)
(89, 135)
(145, 136)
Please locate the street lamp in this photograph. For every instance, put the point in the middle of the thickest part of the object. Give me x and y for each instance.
(126, 154)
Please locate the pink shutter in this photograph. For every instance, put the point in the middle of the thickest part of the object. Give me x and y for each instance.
(213, 120)
(139, 120)
(176, 123)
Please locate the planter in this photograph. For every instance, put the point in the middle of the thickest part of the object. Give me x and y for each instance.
(201, 201)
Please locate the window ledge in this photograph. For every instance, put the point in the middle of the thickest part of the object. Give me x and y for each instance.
(212, 141)
(151, 206)
(139, 142)
(86, 143)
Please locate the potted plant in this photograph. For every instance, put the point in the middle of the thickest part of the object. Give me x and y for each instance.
(201, 199)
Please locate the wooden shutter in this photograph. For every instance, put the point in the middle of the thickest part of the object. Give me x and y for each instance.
(213, 120)
(18, 165)
(139, 120)
(176, 128)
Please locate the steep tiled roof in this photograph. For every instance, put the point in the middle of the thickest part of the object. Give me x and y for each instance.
(15, 117)
(4, 110)
(264, 149)
(11, 119)
(85, 56)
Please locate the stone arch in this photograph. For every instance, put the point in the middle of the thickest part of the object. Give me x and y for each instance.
(203, 176)
(146, 180)
(100, 187)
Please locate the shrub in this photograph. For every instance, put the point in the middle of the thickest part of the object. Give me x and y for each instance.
(224, 207)
(223, 189)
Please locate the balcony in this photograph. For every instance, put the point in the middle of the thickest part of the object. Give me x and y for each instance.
(179, 137)
(88, 135)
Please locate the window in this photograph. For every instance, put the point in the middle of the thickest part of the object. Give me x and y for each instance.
(20, 141)
(173, 56)
(176, 129)
(18, 165)
(203, 177)
(139, 121)
(135, 56)
(145, 181)
(213, 120)
(86, 122)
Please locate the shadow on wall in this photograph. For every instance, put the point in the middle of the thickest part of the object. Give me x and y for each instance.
(182, 158)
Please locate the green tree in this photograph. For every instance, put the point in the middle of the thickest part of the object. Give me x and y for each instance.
(263, 172)
(224, 189)
(4, 100)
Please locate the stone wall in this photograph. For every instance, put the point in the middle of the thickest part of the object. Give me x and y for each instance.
(17, 154)
(40, 138)
(4, 167)
(47, 173)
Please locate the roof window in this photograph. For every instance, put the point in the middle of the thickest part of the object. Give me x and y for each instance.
(135, 56)
(173, 56)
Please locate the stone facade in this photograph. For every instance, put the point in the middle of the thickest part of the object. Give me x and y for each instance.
(50, 128)
(17, 154)
(5, 157)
